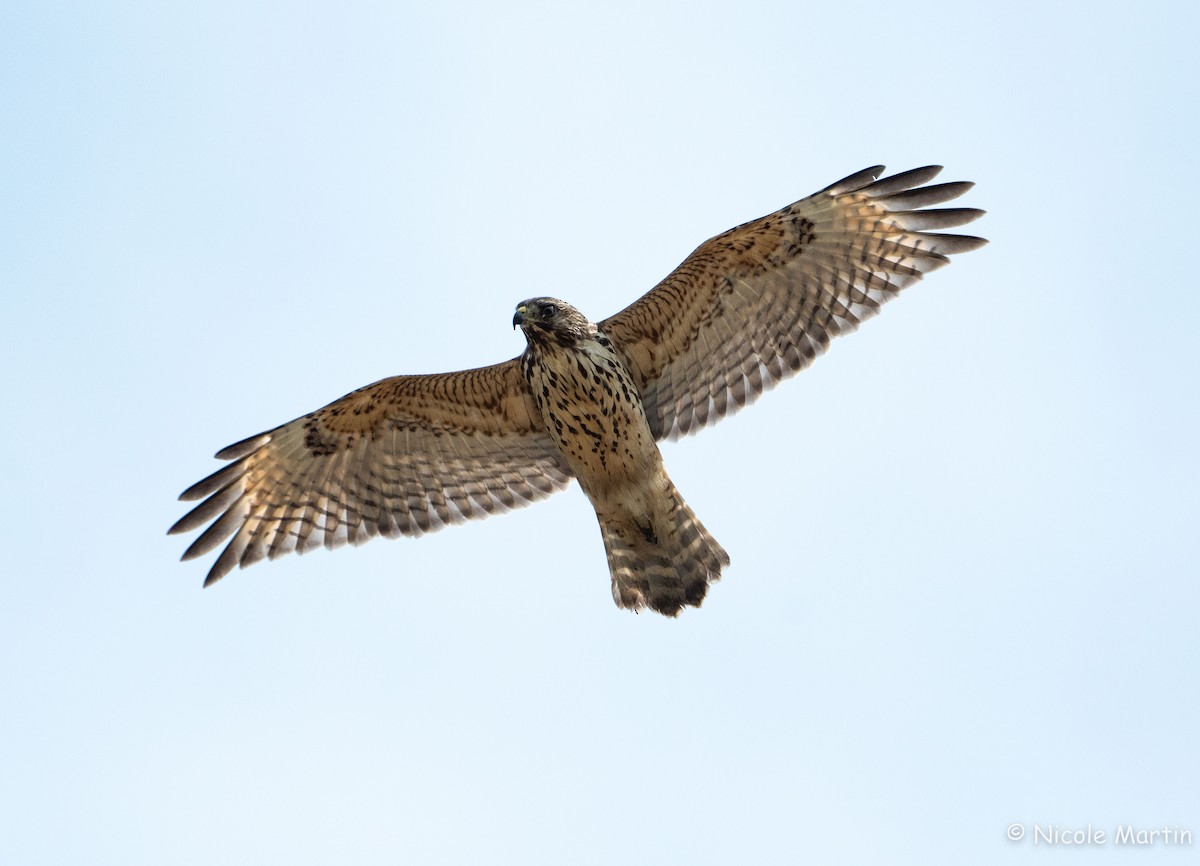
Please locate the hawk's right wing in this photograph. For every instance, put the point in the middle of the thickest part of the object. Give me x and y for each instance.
(404, 456)
(756, 304)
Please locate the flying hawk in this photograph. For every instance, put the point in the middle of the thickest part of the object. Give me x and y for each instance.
(586, 400)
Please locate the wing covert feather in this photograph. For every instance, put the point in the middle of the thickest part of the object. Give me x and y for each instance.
(758, 303)
(403, 456)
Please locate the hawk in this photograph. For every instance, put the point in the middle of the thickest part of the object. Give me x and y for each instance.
(589, 400)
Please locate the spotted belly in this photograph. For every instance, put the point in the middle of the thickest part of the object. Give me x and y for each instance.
(593, 411)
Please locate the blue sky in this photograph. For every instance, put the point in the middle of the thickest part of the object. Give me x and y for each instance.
(964, 581)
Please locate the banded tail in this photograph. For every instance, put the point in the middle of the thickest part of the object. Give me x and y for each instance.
(664, 560)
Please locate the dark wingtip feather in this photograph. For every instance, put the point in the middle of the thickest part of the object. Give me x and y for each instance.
(246, 446)
(924, 196)
(214, 482)
(954, 244)
(183, 524)
(936, 218)
(207, 510)
(223, 527)
(215, 573)
(225, 562)
(856, 181)
(903, 181)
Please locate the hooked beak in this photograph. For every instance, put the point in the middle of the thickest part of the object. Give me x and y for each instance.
(519, 316)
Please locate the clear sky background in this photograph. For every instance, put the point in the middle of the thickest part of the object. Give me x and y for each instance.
(964, 585)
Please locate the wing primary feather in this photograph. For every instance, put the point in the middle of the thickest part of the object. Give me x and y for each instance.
(246, 446)
(207, 510)
(256, 548)
(216, 481)
(902, 181)
(949, 245)
(856, 181)
(224, 527)
(229, 558)
(925, 196)
(935, 218)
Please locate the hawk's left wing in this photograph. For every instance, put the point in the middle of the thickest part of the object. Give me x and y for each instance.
(404, 456)
(756, 304)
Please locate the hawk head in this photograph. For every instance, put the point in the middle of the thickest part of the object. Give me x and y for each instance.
(546, 320)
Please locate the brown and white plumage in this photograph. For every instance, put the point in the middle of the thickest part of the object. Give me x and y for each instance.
(403, 456)
(759, 302)
(748, 308)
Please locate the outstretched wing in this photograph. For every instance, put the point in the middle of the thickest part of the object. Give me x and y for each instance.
(758, 303)
(401, 457)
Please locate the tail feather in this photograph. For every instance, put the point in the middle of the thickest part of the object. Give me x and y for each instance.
(665, 561)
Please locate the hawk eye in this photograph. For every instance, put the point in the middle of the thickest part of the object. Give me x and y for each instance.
(549, 311)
